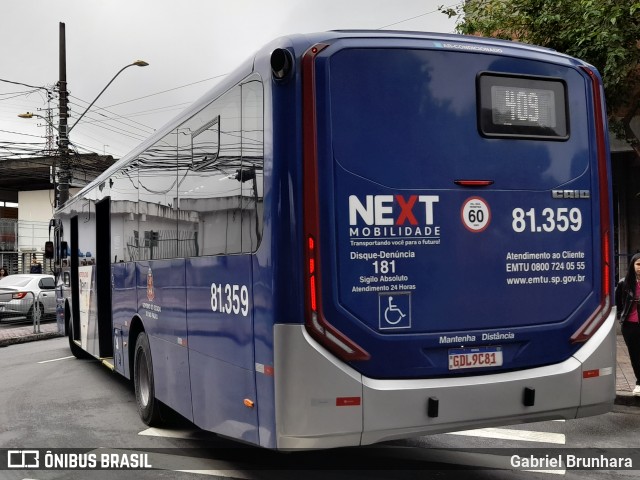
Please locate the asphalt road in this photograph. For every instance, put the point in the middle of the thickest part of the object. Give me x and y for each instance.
(52, 402)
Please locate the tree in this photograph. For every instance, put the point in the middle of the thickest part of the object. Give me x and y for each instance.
(605, 33)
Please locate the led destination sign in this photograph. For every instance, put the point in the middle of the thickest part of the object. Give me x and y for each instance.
(527, 107)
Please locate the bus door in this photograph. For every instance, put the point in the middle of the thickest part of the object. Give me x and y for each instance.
(103, 277)
(61, 271)
(90, 279)
(75, 324)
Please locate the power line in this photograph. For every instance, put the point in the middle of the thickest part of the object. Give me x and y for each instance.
(145, 112)
(115, 117)
(18, 133)
(99, 110)
(120, 118)
(16, 94)
(125, 133)
(418, 16)
(23, 84)
(169, 90)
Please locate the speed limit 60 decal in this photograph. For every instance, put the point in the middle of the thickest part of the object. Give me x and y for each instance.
(475, 214)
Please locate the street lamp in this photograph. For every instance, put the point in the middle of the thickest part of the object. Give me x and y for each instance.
(50, 127)
(137, 63)
(63, 131)
(65, 164)
(31, 115)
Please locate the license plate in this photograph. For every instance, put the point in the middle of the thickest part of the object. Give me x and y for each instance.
(475, 357)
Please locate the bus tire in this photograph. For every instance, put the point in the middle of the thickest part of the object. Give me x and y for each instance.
(148, 406)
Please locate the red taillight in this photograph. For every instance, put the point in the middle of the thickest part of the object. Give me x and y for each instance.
(311, 256)
(312, 288)
(592, 324)
(317, 326)
(19, 295)
(473, 183)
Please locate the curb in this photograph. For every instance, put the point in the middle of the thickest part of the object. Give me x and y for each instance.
(5, 342)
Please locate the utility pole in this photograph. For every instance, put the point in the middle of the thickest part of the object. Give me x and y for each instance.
(49, 148)
(62, 195)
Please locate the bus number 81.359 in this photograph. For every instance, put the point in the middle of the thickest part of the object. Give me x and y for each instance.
(227, 298)
(550, 220)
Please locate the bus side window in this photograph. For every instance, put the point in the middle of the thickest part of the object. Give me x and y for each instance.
(209, 198)
(198, 191)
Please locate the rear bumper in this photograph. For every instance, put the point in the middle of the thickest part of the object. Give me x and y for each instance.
(15, 308)
(322, 403)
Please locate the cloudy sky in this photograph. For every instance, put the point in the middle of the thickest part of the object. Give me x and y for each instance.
(189, 45)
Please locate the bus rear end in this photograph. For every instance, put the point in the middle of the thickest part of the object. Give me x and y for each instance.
(456, 211)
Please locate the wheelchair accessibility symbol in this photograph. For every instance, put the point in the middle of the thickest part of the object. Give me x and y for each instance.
(394, 310)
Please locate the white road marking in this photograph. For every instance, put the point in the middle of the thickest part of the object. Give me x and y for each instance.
(57, 359)
(169, 433)
(218, 473)
(510, 434)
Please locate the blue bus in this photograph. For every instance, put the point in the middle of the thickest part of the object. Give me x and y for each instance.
(357, 236)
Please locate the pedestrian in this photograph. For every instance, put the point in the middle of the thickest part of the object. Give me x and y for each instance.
(36, 266)
(627, 297)
(3, 272)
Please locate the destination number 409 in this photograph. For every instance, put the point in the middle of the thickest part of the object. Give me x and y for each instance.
(226, 298)
(549, 220)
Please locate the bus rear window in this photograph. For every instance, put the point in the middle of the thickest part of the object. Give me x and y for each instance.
(525, 107)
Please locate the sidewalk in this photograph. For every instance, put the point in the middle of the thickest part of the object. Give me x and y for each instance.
(625, 379)
(24, 333)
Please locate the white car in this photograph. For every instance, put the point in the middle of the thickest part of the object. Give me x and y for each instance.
(18, 293)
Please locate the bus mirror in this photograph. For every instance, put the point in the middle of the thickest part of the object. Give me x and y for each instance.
(281, 63)
(48, 250)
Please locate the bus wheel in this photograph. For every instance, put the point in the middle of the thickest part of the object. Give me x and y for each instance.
(148, 406)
